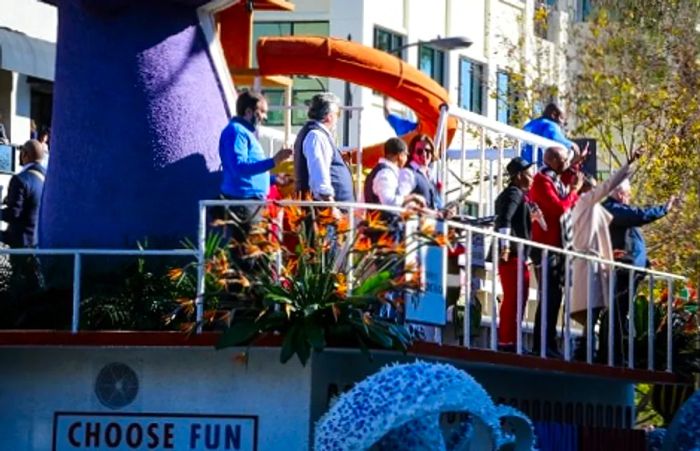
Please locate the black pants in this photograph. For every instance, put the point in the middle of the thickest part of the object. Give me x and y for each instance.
(243, 218)
(622, 279)
(554, 290)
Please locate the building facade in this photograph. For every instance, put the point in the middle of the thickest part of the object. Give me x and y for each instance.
(506, 34)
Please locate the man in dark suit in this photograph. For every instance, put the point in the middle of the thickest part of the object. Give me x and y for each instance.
(513, 218)
(21, 214)
(629, 247)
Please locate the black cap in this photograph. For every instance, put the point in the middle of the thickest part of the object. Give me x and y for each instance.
(517, 165)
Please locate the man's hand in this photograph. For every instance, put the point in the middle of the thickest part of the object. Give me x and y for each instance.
(505, 253)
(636, 154)
(672, 201)
(414, 201)
(282, 179)
(577, 181)
(282, 155)
(581, 155)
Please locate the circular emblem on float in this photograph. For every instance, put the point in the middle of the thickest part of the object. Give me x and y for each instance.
(116, 385)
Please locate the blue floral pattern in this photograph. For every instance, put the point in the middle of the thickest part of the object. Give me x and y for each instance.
(399, 408)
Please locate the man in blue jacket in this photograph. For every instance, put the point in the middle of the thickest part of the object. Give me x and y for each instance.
(549, 126)
(629, 247)
(246, 170)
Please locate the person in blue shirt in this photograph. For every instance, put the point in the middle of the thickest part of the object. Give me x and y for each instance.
(629, 247)
(246, 169)
(549, 126)
(400, 125)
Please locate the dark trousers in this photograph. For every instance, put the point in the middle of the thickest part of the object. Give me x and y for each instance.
(240, 220)
(620, 317)
(554, 290)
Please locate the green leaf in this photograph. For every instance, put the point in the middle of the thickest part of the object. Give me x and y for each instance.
(288, 344)
(237, 334)
(316, 336)
(374, 284)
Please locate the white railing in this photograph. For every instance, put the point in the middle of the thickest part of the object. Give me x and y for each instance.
(354, 209)
(477, 129)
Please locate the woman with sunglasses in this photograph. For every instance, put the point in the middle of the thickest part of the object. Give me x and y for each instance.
(415, 176)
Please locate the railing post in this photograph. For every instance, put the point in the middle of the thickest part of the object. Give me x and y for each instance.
(75, 323)
(462, 166)
(543, 304)
(468, 290)
(358, 175)
(201, 257)
(482, 169)
(589, 313)
(650, 328)
(631, 332)
(612, 322)
(669, 327)
(351, 260)
(567, 307)
(500, 163)
(519, 300)
(494, 302)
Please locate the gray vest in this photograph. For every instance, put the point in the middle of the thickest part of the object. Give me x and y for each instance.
(341, 177)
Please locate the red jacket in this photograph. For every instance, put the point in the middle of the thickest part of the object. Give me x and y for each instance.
(544, 193)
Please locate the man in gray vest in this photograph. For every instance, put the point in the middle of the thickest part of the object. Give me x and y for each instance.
(318, 165)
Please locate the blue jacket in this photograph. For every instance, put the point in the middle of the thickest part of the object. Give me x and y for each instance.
(545, 128)
(22, 206)
(625, 230)
(245, 168)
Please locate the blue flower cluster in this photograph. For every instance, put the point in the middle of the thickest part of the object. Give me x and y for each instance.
(684, 432)
(399, 408)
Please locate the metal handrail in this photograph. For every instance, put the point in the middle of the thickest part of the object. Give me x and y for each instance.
(470, 230)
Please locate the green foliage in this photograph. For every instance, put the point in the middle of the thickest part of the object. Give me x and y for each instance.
(305, 291)
(636, 85)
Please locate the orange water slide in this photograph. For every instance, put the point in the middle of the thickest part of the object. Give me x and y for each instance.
(362, 65)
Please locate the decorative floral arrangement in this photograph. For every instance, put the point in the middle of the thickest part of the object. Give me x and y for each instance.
(315, 281)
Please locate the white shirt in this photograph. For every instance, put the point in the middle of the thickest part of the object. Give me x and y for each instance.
(387, 187)
(318, 150)
(407, 179)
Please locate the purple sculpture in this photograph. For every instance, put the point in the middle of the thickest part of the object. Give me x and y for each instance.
(138, 109)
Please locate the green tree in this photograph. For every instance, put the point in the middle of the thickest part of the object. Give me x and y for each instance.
(636, 83)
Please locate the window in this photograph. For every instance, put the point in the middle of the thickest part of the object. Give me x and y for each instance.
(502, 97)
(389, 41)
(431, 62)
(583, 10)
(471, 85)
(304, 87)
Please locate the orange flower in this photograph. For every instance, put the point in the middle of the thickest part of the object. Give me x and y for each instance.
(385, 241)
(363, 244)
(187, 305)
(325, 216)
(176, 273)
(294, 215)
(341, 284)
(441, 240)
(427, 229)
(374, 221)
(343, 225)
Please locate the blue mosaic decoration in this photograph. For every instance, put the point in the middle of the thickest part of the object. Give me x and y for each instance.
(399, 408)
(684, 432)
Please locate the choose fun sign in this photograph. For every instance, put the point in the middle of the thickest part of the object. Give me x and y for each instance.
(145, 431)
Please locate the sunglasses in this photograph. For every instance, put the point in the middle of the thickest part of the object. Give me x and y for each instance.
(424, 151)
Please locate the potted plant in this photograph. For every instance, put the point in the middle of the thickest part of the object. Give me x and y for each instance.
(317, 282)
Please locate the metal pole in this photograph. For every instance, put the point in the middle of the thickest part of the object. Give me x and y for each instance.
(75, 324)
(589, 312)
(519, 299)
(468, 290)
(358, 176)
(462, 166)
(543, 306)
(351, 261)
(650, 328)
(492, 198)
(482, 169)
(631, 333)
(494, 301)
(201, 246)
(669, 327)
(611, 318)
(567, 308)
(500, 162)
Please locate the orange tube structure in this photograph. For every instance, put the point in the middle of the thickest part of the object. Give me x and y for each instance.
(366, 66)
